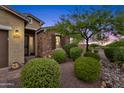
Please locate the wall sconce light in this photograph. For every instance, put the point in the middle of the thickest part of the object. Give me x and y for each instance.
(16, 34)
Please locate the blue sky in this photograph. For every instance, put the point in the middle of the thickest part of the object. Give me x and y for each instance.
(51, 13)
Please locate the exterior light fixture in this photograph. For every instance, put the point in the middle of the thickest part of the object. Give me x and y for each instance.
(16, 34)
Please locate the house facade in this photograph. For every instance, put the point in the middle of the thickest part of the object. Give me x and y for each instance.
(48, 40)
(22, 36)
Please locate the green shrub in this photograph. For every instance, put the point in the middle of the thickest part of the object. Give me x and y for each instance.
(67, 47)
(59, 55)
(94, 55)
(40, 73)
(94, 48)
(94, 45)
(109, 52)
(75, 52)
(119, 54)
(115, 51)
(114, 54)
(116, 44)
(87, 69)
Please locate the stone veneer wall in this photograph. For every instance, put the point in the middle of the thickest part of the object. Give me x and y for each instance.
(47, 42)
(64, 40)
(44, 43)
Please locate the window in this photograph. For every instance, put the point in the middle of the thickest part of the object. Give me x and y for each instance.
(58, 45)
(31, 45)
(71, 40)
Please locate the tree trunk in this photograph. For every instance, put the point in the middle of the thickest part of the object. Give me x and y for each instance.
(87, 45)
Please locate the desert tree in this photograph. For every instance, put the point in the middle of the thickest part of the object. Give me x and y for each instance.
(85, 24)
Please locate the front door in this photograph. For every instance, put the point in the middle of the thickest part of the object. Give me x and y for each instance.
(29, 45)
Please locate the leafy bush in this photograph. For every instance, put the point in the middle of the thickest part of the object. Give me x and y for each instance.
(87, 68)
(75, 52)
(109, 52)
(40, 72)
(94, 45)
(119, 55)
(94, 48)
(59, 55)
(116, 44)
(67, 47)
(94, 55)
(114, 54)
(115, 51)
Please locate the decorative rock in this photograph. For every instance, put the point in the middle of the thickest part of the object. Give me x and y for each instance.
(102, 87)
(15, 65)
(104, 84)
(112, 74)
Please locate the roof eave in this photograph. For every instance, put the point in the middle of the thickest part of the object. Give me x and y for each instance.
(14, 12)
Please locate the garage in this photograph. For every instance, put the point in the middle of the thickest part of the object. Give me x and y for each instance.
(3, 48)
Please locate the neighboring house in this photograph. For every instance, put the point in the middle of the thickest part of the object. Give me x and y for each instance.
(21, 35)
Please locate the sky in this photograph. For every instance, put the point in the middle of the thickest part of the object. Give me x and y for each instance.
(50, 13)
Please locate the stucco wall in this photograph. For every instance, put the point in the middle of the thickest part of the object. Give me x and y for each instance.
(35, 24)
(16, 45)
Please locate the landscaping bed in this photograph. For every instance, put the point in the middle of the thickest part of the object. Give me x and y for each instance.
(106, 74)
(68, 79)
(112, 73)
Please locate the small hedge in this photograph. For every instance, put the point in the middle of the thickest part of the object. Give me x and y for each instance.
(114, 54)
(119, 55)
(67, 48)
(40, 73)
(59, 55)
(94, 45)
(75, 52)
(109, 52)
(116, 44)
(87, 69)
(94, 55)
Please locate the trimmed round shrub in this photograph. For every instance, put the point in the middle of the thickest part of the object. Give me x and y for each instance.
(87, 69)
(67, 48)
(109, 52)
(115, 51)
(75, 52)
(94, 55)
(114, 54)
(119, 54)
(59, 55)
(40, 73)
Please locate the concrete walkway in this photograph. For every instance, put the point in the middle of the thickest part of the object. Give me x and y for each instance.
(6, 77)
(102, 56)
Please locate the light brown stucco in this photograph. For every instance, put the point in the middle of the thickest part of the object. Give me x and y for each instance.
(36, 25)
(15, 45)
